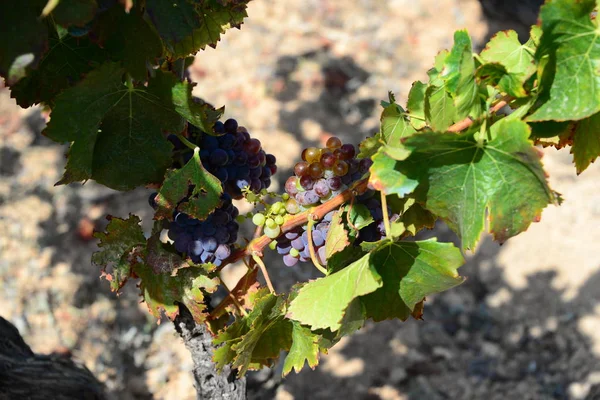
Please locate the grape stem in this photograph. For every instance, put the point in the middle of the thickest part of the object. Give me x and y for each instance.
(186, 142)
(311, 247)
(386, 216)
(263, 269)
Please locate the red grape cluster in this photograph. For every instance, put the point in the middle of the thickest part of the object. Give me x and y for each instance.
(324, 173)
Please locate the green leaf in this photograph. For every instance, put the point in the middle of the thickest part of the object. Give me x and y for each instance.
(411, 271)
(440, 111)
(116, 130)
(64, 65)
(305, 349)
(459, 75)
(24, 37)
(194, 110)
(117, 244)
(416, 104)
(571, 39)
(413, 216)
(394, 125)
(205, 196)
(337, 236)
(129, 39)
(322, 303)
(387, 179)
(548, 129)
(162, 292)
(360, 216)
(586, 142)
(369, 146)
(187, 26)
(465, 180)
(74, 12)
(517, 59)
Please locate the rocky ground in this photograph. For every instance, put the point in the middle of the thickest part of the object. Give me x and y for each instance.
(525, 325)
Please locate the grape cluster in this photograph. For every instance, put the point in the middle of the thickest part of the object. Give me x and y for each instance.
(207, 241)
(293, 245)
(324, 173)
(234, 157)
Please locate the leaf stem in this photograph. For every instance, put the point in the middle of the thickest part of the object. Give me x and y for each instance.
(186, 142)
(412, 116)
(263, 269)
(386, 217)
(311, 247)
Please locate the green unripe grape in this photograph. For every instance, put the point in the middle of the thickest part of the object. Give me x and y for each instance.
(294, 252)
(276, 207)
(285, 196)
(258, 219)
(272, 232)
(273, 244)
(279, 220)
(283, 211)
(270, 223)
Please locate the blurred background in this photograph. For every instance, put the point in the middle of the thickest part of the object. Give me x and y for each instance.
(525, 325)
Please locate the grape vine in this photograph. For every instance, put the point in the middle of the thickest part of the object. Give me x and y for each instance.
(462, 151)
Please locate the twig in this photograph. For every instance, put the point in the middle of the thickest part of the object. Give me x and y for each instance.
(263, 269)
(311, 247)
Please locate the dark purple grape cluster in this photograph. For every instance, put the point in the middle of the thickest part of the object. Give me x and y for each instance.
(324, 173)
(293, 245)
(234, 157)
(207, 241)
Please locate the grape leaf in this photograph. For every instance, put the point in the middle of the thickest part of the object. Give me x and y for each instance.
(416, 105)
(116, 130)
(321, 303)
(586, 142)
(163, 291)
(129, 39)
(117, 244)
(61, 67)
(459, 76)
(305, 348)
(548, 129)
(571, 39)
(187, 26)
(24, 37)
(337, 237)
(74, 12)
(385, 178)
(413, 217)
(369, 146)
(466, 180)
(204, 198)
(411, 271)
(360, 216)
(517, 59)
(394, 125)
(440, 111)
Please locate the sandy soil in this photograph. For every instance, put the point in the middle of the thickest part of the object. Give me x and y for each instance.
(526, 324)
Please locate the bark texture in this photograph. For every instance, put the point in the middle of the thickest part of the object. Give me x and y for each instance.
(26, 375)
(210, 384)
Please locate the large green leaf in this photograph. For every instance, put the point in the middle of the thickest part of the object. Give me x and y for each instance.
(571, 39)
(204, 198)
(465, 180)
(187, 26)
(129, 39)
(321, 304)
(118, 130)
(459, 76)
(517, 59)
(74, 12)
(387, 179)
(117, 244)
(24, 37)
(586, 142)
(394, 125)
(61, 67)
(410, 272)
(416, 104)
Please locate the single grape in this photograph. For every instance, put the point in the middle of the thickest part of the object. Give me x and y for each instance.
(307, 182)
(298, 243)
(333, 143)
(270, 223)
(328, 160)
(231, 125)
(321, 188)
(290, 185)
(258, 219)
(222, 252)
(276, 207)
(312, 155)
(364, 165)
(294, 252)
(340, 168)
(279, 220)
(252, 146)
(272, 232)
(290, 261)
(273, 244)
(310, 197)
(318, 238)
(315, 170)
(283, 247)
(301, 168)
(321, 255)
(334, 183)
(347, 152)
